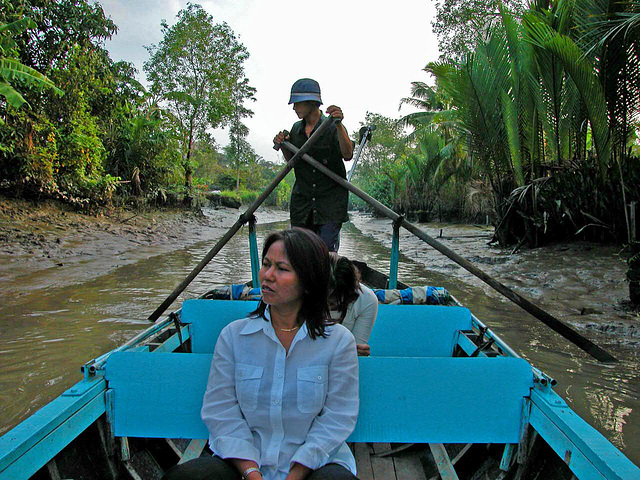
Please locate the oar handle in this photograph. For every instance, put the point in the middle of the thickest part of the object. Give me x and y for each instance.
(276, 146)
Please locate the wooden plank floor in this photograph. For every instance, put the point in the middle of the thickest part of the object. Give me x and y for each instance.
(401, 466)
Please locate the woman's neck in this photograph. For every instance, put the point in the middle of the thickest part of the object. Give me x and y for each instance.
(284, 317)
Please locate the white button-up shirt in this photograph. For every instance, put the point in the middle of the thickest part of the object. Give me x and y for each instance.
(275, 408)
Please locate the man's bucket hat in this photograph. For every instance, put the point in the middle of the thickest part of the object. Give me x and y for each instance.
(305, 89)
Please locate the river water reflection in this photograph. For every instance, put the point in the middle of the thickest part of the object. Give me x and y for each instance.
(47, 334)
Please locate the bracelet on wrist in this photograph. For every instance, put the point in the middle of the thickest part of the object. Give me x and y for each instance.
(245, 474)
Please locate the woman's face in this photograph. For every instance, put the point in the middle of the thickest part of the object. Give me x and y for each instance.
(279, 282)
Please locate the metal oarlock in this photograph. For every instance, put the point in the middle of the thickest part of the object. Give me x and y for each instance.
(364, 136)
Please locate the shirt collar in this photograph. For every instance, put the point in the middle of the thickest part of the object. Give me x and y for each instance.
(255, 324)
(303, 123)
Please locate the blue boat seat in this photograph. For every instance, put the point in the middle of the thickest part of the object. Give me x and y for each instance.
(208, 317)
(400, 330)
(402, 399)
(417, 330)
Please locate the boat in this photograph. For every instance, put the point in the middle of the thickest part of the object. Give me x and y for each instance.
(442, 396)
(484, 412)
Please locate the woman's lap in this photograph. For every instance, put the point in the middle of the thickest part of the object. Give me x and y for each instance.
(215, 468)
(332, 471)
(203, 468)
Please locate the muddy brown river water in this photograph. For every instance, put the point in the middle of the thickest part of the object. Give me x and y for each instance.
(46, 334)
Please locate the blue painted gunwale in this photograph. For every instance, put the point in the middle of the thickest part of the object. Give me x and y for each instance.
(31, 444)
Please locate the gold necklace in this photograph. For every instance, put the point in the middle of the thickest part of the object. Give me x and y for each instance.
(288, 329)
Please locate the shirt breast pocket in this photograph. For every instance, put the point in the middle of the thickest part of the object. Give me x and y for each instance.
(312, 388)
(321, 153)
(247, 386)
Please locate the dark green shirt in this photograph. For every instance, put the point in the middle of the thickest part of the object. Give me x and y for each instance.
(313, 191)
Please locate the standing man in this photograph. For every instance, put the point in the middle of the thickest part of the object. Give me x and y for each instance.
(317, 202)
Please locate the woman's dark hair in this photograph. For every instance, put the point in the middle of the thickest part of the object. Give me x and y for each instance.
(309, 258)
(345, 282)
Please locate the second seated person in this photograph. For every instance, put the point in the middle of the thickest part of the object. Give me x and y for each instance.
(282, 395)
(352, 304)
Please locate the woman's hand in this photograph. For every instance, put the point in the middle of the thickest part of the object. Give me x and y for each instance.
(363, 349)
(298, 472)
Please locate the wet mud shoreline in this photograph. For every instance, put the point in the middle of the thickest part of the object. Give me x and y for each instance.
(47, 244)
(583, 284)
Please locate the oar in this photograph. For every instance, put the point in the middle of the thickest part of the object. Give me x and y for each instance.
(244, 218)
(548, 319)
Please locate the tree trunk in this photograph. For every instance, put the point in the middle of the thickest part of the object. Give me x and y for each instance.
(188, 173)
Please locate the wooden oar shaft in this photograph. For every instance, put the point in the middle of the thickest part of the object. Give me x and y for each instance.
(244, 218)
(548, 319)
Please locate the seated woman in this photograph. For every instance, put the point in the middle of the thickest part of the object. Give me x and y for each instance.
(282, 395)
(352, 303)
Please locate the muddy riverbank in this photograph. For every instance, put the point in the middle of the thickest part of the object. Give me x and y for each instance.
(48, 244)
(583, 284)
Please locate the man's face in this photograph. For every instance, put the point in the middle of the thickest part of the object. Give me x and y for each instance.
(303, 109)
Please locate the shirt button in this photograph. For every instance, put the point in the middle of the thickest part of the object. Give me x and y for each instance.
(314, 199)
(279, 375)
(276, 402)
(319, 377)
(314, 185)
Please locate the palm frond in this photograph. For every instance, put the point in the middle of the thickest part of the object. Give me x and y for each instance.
(585, 77)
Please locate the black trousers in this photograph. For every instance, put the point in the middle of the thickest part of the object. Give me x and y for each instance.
(328, 232)
(215, 468)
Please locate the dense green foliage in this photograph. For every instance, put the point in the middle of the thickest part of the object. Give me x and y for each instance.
(529, 117)
(541, 114)
(197, 70)
(77, 126)
(460, 24)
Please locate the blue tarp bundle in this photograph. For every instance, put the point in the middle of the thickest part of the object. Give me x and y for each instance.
(415, 296)
(407, 296)
(234, 292)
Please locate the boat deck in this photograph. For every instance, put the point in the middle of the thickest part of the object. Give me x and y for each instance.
(374, 461)
(382, 461)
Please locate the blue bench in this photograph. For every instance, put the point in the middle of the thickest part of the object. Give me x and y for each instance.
(207, 318)
(400, 330)
(417, 330)
(403, 399)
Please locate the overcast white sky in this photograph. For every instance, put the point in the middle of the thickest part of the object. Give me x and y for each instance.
(364, 53)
